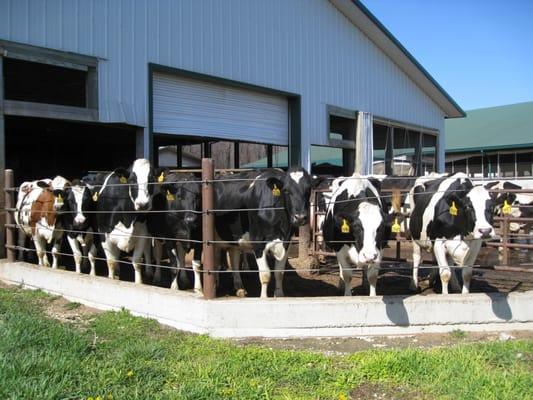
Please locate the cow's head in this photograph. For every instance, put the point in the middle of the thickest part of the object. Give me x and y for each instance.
(79, 201)
(296, 186)
(479, 206)
(60, 187)
(359, 219)
(183, 192)
(141, 180)
(367, 229)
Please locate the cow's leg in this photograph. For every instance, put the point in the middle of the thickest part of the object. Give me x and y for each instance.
(76, 251)
(281, 254)
(138, 252)
(235, 264)
(40, 247)
(439, 249)
(372, 276)
(417, 258)
(92, 259)
(345, 270)
(56, 249)
(197, 266)
(112, 254)
(468, 264)
(179, 251)
(21, 243)
(158, 257)
(264, 273)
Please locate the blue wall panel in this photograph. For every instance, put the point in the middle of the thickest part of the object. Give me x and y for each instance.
(299, 46)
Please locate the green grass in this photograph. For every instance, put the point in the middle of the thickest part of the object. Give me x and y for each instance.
(115, 355)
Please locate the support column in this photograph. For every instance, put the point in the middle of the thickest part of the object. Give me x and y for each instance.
(143, 144)
(2, 161)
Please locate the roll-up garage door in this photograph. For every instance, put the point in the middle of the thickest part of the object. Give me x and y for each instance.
(190, 107)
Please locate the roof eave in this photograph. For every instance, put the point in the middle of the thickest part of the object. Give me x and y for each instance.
(361, 17)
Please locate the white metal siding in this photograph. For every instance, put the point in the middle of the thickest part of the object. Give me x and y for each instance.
(306, 47)
(184, 106)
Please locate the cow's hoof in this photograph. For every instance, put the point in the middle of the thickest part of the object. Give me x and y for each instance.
(279, 293)
(241, 293)
(414, 288)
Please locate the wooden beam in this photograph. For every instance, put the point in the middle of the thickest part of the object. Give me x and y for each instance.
(43, 110)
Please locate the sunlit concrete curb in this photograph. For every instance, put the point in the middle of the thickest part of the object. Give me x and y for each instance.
(284, 317)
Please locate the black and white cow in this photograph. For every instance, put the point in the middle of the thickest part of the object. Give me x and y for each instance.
(121, 200)
(275, 203)
(180, 223)
(356, 227)
(450, 216)
(80, 224)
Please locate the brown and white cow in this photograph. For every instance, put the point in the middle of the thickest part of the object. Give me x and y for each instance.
(39, 204)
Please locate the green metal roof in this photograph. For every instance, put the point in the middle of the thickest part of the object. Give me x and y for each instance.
(503, 127)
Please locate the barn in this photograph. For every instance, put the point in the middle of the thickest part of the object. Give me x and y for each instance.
(494, 142)
(90, 85)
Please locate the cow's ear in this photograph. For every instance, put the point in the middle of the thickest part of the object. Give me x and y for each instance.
(161, 173)
(122, 172)
(490, 185)
(509, 185)
(316, 181)
(275, 185)
(169, 187)
(43, 184)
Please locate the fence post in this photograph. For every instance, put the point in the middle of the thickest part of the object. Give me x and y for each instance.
(208, 228)
(505, 240)
(10, 220)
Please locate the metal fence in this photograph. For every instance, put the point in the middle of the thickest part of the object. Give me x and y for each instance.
(209, 241)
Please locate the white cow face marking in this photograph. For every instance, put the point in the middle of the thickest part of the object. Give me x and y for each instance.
(481, 201)
(141, 172)
(78, 192)
(296, 176)
(371, 220)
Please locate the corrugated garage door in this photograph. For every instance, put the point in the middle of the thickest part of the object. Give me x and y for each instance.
(184, 106)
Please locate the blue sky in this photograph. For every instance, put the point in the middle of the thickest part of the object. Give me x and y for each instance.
(480, 51)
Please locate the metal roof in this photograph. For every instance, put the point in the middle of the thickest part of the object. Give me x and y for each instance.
(503, 127)
(361, 17)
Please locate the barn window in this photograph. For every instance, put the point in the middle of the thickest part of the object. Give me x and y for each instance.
(46, 83)
(280, 156)
(341, 138)
(429, 154)
(42, 83)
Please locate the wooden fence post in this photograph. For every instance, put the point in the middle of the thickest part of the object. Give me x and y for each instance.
(10, 220)
(505, 240)
(208, 228)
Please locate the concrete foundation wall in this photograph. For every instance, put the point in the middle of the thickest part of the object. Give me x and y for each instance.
(284, 317)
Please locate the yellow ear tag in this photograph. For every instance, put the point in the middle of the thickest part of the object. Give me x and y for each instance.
(275, 191)
(170, 196)
(453, 209)
(506, 209)
(123, 179)
(161, 177)
(59, 199)
(345, 228)
(95, 196)
(395, 228)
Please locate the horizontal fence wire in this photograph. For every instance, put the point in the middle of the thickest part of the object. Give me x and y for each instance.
(390, 265)
(239, 241)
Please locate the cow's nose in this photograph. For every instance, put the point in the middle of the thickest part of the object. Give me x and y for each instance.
(300, 218)
(370, 256)
(79, 220)
(142, 206)
(485, 232)
(190, 218)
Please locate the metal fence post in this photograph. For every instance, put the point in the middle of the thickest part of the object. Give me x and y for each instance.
(10, 220)
(208, 228)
